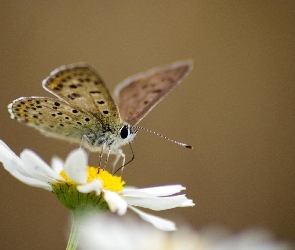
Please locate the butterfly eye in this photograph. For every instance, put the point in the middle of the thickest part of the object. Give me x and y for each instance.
(124, 132)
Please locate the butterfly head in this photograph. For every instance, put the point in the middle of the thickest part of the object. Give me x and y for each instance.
(127, 133)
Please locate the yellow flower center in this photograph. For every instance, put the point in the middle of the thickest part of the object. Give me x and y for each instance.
(109, 181)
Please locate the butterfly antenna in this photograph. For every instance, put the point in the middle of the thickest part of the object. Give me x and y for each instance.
(165, 137)
(122, 167)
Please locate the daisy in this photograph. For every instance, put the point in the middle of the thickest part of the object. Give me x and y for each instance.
(107, 232)
(85, 190)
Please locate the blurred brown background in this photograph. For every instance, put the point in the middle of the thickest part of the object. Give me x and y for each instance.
(236, 107)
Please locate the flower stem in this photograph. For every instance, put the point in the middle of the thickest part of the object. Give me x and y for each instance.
(75, 232)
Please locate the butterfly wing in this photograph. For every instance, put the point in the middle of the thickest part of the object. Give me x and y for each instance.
(138, 94)
(53, 117)
(81, 86)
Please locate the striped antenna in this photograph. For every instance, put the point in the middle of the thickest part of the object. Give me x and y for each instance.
(165, 137)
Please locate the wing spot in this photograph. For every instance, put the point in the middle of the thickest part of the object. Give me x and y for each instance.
(59, 113)
(33, 108)
(105, 112)
(145, 102)
(157, 91)
(58, 87)
(54, 107)
(39, 107)
(61, 125)
(51, 126)
(40, 113)
(73, 86)
(67, 118)
(94, 92)
(74, 111)
(52, 114)
(74, 96)
(87, 79)
(144, 86)
(79, 123)
(170, 79)
(100, 102)
(87, 119)
(96, 82)
(81, 80)
(35, 116)
(57, 104)
(37, 102)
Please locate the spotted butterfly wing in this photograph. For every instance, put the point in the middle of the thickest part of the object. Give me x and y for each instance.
(52, 117)
(82, 87)
(138, 94)
(84, 106)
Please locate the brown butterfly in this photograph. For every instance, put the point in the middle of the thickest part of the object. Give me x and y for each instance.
(84, 110)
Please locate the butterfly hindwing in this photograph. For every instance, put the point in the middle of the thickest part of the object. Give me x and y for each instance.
(53, 117)
(138, 94)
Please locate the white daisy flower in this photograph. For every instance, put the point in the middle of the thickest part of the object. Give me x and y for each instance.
(82, 188)
(107, 232)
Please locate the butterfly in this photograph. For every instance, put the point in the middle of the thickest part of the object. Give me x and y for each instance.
(85, 112)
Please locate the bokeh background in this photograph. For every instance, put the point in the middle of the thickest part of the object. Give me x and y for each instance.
(236, 107)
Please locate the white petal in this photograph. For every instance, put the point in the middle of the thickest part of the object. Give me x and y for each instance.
(160, 223)
(35, 167)
(30, 181)
(153, 191)
(95, 185)
(187, 203)
(13, 164)
(116, 202)
(57, 164)
(76, 166)
(9, 159)
(157, 203)
(2, 143)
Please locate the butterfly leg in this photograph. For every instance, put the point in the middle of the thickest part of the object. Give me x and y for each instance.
(119, 153)
(101, 153)
(107, 158)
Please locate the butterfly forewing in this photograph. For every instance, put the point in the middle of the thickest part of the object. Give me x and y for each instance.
(53, 117)
(81, 87)
(137, 95)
